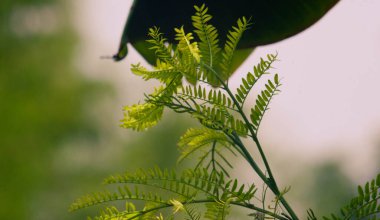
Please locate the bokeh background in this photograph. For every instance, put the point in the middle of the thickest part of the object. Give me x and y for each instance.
(60, 106)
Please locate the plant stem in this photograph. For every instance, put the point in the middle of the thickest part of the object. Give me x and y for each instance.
(271, 182)
(249, 206)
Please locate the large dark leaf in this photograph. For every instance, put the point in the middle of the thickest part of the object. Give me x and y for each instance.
(273, 20)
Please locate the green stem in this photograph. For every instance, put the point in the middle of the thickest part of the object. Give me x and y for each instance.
(271, 182)
(213, 155)
(249, 158)
(248, 206)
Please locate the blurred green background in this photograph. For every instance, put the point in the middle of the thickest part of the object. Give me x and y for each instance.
(58, 141)
(54, 143)
(44, 105)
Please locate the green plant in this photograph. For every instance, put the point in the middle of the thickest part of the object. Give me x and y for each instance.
(205, 94)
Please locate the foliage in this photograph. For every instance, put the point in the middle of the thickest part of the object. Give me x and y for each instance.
(192, 187)
(195, 75)
(366, 205)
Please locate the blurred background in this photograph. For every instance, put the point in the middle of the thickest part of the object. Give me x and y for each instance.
(60, 106)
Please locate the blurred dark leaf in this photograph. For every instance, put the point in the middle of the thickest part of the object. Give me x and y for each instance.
(272, 21)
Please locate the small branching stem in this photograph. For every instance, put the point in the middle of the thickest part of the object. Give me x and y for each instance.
(213, 155)
(245, 205)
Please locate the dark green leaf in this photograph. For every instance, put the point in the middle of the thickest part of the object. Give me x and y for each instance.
(360, 191)
(276, 79)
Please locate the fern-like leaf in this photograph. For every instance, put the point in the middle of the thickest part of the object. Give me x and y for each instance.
(213, 117)
(262, 102)
(112, 213)
(124, 193)
(250, 80)
(183, 189)
(179, 192)
(212, 96)
(217, 119)
(366, 205)
(233, 38)
(209, 42)
(217, 210)
(185, 45)
(141, 116)
(187, 187)
(162, 50)
(240, 194)
(210, 144)
(163, 72)
(189, 55)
